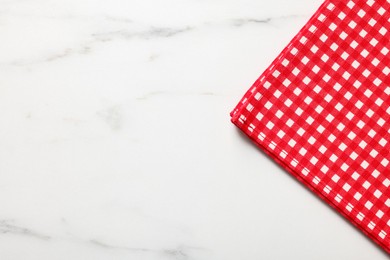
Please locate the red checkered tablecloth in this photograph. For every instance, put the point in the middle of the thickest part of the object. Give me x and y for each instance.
(322, 111)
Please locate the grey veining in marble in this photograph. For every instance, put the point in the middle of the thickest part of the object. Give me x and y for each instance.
(116, 141)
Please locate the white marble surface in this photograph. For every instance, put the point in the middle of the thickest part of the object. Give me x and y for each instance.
(116, 141)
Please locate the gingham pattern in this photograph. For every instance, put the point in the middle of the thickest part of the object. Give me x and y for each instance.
(322, 110)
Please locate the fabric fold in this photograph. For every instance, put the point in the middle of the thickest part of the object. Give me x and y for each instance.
(322, 111)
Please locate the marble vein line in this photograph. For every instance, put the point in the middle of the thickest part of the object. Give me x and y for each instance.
(151, 33)
(182, 252)
(264, 21)
(158, 93)
(148, 33)
(7, 227)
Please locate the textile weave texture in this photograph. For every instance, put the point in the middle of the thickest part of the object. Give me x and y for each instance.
(322, 111)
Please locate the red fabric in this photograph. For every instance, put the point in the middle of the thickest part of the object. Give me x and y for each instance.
(322, 111)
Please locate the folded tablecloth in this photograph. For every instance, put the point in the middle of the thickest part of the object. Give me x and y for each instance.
(322, 111)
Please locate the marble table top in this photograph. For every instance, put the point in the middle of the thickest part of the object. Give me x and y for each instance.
(116, 141)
